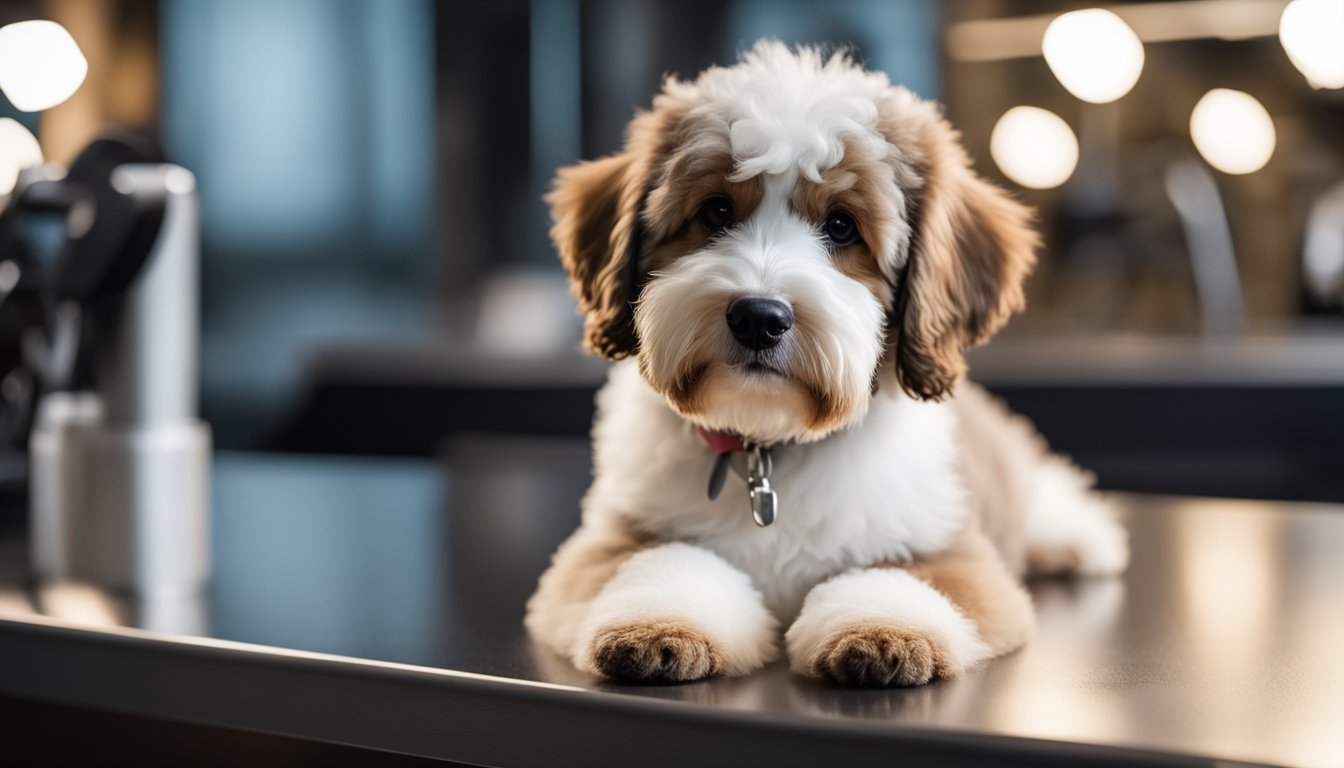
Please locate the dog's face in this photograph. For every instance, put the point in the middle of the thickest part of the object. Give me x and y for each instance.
(777, 233)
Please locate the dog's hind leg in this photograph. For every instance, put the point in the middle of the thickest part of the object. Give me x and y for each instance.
(1070, 528)
(1039, 509)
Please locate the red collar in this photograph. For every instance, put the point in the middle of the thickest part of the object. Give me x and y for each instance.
(721, 442)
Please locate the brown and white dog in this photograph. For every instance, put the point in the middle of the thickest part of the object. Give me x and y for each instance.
(793, 253)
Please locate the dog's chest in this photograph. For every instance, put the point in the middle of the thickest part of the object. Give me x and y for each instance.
(882, 491)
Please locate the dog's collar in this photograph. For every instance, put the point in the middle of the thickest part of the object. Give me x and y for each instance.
(752, 462)
(721, 442)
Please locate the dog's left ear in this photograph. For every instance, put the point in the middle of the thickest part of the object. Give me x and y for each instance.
(972, 248)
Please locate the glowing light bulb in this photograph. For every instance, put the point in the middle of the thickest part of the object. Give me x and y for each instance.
(1232, 131)
(1312, 32)
(18, 150)
(40, 64)
(1034, 147)
(1094, 54)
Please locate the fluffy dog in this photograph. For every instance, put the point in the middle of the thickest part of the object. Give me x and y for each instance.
(789, 259)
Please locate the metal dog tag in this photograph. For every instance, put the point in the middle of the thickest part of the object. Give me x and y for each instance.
(764, 502)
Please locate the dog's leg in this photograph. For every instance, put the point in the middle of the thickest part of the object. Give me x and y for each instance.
(579, 569)
(642, 612)
(676, 612)
(905, 625)
(1070, 528)
(1039, 508)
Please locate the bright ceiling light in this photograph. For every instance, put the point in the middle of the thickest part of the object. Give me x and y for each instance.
(18, 150)
(1232, 131)
(1034, 147)
(40, 64)
(1094, 54)
(1312, 32)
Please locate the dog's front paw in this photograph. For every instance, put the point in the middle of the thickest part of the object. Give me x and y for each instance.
(655, 652)
(881, 627)
(879, 655)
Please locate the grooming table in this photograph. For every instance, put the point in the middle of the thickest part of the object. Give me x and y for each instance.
(378, 603)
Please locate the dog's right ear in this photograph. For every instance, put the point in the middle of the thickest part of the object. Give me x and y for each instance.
(595, 210)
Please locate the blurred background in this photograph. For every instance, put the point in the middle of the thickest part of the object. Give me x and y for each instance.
(376, 277)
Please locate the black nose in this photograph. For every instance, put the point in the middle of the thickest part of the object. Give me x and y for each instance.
(759, 323)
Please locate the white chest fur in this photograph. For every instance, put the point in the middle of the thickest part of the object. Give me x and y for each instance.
(883, 490)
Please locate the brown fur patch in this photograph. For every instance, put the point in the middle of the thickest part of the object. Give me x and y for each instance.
(690, 237)
(599, 562)
(974, 578)
(686, 391)
(595, 226)
(829, 411)
(1058, 560)
(877, 655)
(972, 248)
(693, 173)
(645, 198)
(655, 651)
(864, 187)
(858, 263)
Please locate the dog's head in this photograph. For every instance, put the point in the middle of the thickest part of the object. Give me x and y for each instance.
(776, 233)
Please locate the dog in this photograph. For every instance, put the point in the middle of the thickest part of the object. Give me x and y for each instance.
(788, 260)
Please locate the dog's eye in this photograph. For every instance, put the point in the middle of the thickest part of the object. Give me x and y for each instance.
(717, 213)
(840, 229)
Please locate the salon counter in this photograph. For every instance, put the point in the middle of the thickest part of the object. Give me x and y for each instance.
(378, 604)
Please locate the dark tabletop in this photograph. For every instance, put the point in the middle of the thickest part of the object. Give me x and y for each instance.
(379, 602)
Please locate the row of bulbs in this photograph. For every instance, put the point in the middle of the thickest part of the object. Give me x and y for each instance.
(1093, 53)
(40, 67)
(1097, 57)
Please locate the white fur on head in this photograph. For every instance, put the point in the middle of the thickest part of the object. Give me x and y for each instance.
(779, 115)
(791, 110)
(790, 138)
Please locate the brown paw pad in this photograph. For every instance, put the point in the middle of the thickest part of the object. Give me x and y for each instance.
(1054, 560)
(877, 655)
(656, 651)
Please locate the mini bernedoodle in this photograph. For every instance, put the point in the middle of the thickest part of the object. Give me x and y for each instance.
(789, 259)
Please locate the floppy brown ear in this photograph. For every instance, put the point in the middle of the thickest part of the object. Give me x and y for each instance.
(594, 225)
(971, 250)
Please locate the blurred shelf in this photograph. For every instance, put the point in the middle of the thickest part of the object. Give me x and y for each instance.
(1259, 416)
(1253, 360)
